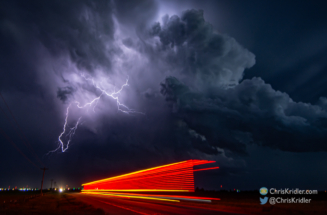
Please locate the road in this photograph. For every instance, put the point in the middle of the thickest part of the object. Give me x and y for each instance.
(130, 206)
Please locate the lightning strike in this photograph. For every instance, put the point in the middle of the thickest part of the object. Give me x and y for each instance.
(71, 131)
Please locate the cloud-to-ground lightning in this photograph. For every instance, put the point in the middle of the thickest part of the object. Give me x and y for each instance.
(114, 95)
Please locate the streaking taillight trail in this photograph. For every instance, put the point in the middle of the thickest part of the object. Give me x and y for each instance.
(175, 177)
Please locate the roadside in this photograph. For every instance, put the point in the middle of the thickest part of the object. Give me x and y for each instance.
(51, 203)
(73, 203)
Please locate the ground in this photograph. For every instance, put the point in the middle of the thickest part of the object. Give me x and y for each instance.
(249, 203)
(68, 203)
(51, 203)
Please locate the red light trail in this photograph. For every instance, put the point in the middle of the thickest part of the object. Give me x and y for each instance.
(175, 177)
(206, 169)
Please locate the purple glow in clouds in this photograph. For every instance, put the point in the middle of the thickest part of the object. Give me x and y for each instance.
(93, 103)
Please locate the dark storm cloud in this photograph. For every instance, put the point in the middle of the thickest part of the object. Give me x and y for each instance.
(290, 47)
(75, 28)
(250, 113)
(64, 92)
(149, 94)
(323, 103)
(39, 41)
(135, 13)
(241, 114)
(194, 50)
(212, 112)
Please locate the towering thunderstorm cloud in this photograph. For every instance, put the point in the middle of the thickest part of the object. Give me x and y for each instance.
(69, 132)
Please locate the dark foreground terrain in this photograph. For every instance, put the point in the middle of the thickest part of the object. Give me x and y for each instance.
(50, 203)
(76, 203)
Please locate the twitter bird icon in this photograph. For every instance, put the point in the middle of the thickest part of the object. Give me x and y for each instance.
(263, 200)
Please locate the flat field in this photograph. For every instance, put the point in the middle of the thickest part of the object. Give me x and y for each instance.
(243, 203)
(50, 203)
(249, 203)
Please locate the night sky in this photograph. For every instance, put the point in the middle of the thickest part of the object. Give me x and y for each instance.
(243, 83)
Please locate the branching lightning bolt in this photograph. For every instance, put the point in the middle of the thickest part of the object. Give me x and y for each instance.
(71, 131)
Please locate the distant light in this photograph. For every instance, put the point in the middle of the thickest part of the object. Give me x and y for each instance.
(60, 190)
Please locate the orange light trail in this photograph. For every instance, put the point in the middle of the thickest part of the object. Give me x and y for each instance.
(131, 196)
(154, 195)
(175, 177)
(168, 198)
(132, 173)
(136, 190)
